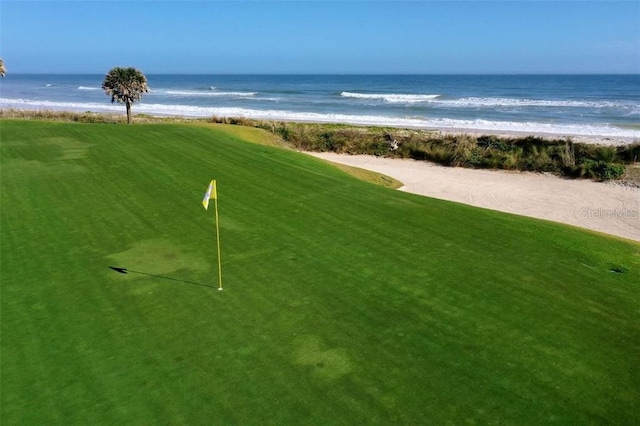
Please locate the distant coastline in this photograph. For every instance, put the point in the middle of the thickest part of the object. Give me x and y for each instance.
(589, 108)
(116, 114)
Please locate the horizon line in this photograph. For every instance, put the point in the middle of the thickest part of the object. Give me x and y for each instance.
(340, 73)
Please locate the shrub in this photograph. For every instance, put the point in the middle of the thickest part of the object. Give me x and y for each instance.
(607, 154)
(440, 154)
(462, 148)
(609, 171)
(493, 142)
(285, 132)
(567, 154)
(629, 153)
(476, 159)
(510, 160)
(594, 169)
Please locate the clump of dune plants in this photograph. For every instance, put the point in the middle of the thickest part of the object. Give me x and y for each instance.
(560, 156)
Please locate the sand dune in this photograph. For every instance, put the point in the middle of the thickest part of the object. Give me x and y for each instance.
(605, 207)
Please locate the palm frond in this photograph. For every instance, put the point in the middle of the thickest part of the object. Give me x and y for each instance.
(125, 85)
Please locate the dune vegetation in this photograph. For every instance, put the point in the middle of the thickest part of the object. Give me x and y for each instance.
(560, 156)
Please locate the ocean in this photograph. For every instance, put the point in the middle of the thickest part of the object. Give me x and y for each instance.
(580, 105)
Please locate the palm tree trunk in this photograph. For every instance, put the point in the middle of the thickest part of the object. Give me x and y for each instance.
(128, 104)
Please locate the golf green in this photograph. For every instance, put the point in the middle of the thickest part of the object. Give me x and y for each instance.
(344, 303)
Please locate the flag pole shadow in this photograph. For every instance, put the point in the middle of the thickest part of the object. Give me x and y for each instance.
(129, 271)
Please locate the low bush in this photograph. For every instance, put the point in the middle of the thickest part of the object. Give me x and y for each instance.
(597, 169)
(629, 153)
(560, 156)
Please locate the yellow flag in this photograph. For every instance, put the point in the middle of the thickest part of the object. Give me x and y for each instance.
(211, 194)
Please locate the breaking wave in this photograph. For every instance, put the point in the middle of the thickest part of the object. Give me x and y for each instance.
(602, 130)
(514, 102)
(207, 93)
(391, 97)
(489, 102)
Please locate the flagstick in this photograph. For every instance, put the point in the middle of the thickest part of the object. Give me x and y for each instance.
(218, 239)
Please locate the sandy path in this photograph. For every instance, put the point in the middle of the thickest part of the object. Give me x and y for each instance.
(604, 207)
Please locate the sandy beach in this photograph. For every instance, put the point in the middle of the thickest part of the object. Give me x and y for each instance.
(604, 207)
(590, 140)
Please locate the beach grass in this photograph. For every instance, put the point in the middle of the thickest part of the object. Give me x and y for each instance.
(345, 302)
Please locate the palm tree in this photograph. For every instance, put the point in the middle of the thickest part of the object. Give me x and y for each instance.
(3, 70)
(125, 85)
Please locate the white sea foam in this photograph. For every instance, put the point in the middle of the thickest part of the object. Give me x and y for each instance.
(88, 88)
(409, 122)
(268, 98)
(490, 102)
(207, 93)
(390, 97)
(58, 106)
(514, 102)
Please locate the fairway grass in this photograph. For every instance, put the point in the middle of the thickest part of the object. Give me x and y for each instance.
(345, 302)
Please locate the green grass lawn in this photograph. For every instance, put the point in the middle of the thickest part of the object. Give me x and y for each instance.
(345, 302)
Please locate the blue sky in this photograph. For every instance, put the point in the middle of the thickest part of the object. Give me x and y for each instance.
(321, 37)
